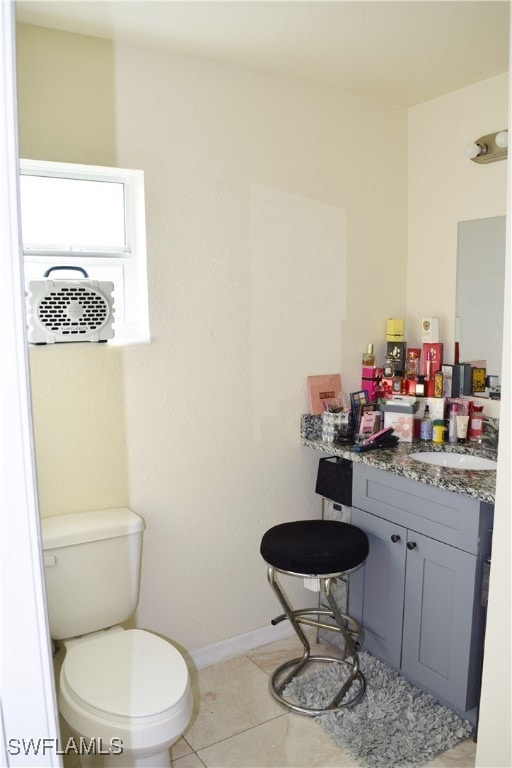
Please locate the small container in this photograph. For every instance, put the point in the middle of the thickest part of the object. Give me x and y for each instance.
(438, 431)
(462, 427)
(397, 384)
(430, 329)
(389, 367)
(438, 384)
(330, 425)
(452, 426)
(413, 362)
(426, 425)
(394, 329)
(369, 356)
(476, 423)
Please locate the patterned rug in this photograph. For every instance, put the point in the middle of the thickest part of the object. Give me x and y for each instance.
(395, 725)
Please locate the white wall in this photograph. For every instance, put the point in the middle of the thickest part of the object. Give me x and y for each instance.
(269, 205)
(445, 188)
(201, 427)
(262, 228)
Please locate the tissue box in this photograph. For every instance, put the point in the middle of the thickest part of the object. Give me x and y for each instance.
(399, 414)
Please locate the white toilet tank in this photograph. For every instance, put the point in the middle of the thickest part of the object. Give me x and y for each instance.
(92, 568)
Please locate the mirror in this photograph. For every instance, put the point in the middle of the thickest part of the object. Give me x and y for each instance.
(480, 291)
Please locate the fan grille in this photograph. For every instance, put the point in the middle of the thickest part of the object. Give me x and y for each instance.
(73, 311)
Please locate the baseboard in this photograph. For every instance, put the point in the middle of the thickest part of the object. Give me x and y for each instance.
(234, 646)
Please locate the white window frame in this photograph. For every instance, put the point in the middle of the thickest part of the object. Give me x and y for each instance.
(133, 327)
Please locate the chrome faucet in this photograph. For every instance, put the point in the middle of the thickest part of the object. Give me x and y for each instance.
(491, 434)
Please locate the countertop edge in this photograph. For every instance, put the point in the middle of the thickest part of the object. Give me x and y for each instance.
(477, 484)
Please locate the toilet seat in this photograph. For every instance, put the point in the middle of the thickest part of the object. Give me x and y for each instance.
(128, 674)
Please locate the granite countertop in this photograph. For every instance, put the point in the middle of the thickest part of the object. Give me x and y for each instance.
(479, 484)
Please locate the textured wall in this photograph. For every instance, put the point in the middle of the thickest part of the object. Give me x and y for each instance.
(271, 209)
(438, 132)
(269, 203)
(66, 105)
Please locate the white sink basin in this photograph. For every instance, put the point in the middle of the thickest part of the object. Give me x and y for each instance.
(454, 460)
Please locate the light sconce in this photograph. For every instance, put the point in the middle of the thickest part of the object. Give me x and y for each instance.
(488, 149)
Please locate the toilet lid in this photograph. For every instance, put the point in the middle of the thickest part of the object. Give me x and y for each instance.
(129, 674)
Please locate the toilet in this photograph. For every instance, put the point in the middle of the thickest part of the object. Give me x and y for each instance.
(124, 693)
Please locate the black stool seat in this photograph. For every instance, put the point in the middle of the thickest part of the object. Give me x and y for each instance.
(314, 547)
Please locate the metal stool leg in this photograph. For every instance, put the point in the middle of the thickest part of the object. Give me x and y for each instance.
(350, 648)
(297, 617)
(291, 616)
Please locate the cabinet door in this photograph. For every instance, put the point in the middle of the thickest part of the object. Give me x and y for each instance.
(438, 620)
(376, 591)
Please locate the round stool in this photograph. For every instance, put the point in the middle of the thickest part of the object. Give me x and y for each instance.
(323, 550)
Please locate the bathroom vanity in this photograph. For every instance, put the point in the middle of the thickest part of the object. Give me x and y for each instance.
(419, 594)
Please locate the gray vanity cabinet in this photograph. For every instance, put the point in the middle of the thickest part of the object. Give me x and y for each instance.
(376, 592)
(418, 594)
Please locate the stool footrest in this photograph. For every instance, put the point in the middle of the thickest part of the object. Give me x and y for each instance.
(353, 627)
(349, 629)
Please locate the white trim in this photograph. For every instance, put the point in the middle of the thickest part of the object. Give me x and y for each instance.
(26, 671)
(234, 646)
(134, 327)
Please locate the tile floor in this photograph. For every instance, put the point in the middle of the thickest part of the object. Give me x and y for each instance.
(237, 724)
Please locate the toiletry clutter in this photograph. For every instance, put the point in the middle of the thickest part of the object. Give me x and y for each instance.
(420, 394)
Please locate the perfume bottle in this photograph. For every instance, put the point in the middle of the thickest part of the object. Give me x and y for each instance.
(413, 364)
(369, 357)
(389, 367)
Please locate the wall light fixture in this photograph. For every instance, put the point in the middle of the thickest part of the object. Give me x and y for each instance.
(488, 149)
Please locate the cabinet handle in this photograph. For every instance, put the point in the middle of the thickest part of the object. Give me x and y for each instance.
(395, 537)
(411, 545)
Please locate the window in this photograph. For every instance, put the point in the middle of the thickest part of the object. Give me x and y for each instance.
(90, 217)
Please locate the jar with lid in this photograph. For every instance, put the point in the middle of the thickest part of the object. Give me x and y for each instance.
(438, 431)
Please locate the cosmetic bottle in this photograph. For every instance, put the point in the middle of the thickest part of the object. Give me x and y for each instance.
(389, 367)
(462, 427)
(452, 425)
(369, 357)
(438, 431)
(476, 423)
(426, 425)
(396, 385)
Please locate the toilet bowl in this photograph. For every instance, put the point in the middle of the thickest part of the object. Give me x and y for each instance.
(125, 694)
